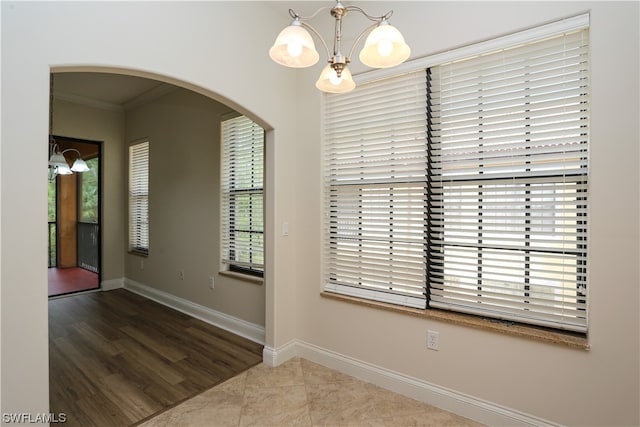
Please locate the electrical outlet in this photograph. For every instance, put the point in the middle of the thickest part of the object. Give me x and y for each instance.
(433, 340)
(181, 274)
(211, 283)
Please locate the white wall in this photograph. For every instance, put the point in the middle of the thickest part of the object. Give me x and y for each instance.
(178, 43)
(203, 46)
(107, 126)
(574, 387)
(183, 129)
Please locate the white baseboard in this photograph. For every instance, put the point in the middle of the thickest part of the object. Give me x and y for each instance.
(274, 357)
(450, 400)
(433, 394)
(111, 284)
(251, 331)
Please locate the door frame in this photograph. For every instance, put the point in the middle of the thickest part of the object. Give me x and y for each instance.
(67, 142)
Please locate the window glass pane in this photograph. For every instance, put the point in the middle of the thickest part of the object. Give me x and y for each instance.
(509, 141)
(52, 234)
(89, 192)
(139, 198)
(375, 201)
(242, 196)
(51, 189)
(466, 184)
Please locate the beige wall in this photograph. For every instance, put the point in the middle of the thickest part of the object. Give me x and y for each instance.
(183, 129)
(573, 387)
(179, 43)
(107, 126)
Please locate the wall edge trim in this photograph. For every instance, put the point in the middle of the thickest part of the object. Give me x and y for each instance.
(111, 284)
(251, 331)
(450, 400)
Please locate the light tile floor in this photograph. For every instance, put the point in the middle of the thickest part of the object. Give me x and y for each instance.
(302, 393)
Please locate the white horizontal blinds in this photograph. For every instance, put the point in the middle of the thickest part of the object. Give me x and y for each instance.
(242, 184)
(375, 189)
(508, 183)
(139, 198)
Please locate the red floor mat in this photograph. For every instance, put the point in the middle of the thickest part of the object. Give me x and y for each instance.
(66, 280)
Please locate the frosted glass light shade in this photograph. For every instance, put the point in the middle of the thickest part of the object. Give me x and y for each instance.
(57, 159)
(330, 82)
(63, 170)
(59, 163)
(294, 48)
(385, 47)
(79, 166)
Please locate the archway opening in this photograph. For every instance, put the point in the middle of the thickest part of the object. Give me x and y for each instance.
(182, 265)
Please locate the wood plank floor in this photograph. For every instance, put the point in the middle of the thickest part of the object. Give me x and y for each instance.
(116, 358)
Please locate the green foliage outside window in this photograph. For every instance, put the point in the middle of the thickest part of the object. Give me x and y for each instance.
(89, 193)
(52, 201)
(51, 196)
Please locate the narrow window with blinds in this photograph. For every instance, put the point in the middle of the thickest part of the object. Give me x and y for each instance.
(139, 198)
(376, 184)
(463, 186)
(242, 234)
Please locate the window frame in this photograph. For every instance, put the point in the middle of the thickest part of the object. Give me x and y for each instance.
(373, 203)
(138, 204)
(231, 191)
(548, 30)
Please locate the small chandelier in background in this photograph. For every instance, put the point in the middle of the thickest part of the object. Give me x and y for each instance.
(57, 162)
(385, 47)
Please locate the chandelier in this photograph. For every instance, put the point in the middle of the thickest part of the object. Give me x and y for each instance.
(385, 47)
(58, 164)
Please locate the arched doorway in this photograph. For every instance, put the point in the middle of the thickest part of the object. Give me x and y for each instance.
(135, 114)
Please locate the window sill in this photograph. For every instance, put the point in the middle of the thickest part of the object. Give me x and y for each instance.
(138, 253)
(461, 319)
(243, 277)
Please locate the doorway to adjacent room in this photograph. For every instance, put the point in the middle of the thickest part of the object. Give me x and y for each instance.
(74, 221)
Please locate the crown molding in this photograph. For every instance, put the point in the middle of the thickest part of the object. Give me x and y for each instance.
(142, 99)
(148, 96)
(89, 102)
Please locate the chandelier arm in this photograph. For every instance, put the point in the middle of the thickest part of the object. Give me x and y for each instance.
(362, 34)
(369, 17)
(314, 31)
(53, 145)
(295, 15)
(72, 149)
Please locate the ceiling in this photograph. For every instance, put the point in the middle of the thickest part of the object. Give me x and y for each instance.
(115, 91)
(119, 91)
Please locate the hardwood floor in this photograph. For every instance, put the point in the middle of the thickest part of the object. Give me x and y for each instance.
(116, 358)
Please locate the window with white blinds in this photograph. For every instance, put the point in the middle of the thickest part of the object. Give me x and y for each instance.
(242, 182)
(375, 198)
(464, 186)
(508, 183)
(139, 198)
